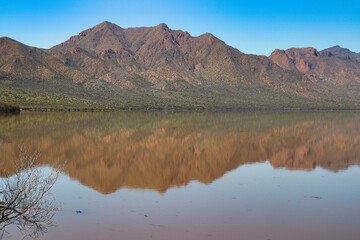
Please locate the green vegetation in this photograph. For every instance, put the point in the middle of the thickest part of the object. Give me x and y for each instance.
(35, 99)
(95, 96)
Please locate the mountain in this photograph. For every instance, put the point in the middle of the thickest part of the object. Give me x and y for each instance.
(342, 53)
(18, 61)
(167, 59)
(337, 68)
(157, 67)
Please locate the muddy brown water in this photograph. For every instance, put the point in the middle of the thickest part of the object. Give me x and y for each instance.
(135, 175)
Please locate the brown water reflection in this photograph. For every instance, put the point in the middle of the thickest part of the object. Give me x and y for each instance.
(108, 151)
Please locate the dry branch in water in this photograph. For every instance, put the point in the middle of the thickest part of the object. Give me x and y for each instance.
(25, 197)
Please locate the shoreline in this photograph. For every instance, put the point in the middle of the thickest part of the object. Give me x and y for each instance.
(9, 108)
(188, 110)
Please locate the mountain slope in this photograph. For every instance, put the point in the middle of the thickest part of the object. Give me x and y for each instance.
(338, 69)
(170, 60)
(157, 67)
(18, 61)
(341, 52)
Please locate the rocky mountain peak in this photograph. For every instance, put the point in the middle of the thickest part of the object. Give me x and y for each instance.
(336, 66)
(160, 59)
(341, 52)
(308, 51)
(162, 26)
(7, 40)
(105, 25)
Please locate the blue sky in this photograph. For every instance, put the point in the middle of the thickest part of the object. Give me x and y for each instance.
(256, 27)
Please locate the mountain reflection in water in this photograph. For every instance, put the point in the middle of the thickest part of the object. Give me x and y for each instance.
(109, 151)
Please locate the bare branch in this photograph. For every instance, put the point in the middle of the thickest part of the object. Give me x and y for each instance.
(25, 197)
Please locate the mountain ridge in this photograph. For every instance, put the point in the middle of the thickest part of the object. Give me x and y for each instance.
(338, 68)
(163, 64)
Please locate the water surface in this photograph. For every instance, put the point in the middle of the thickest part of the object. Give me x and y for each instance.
(197, 175)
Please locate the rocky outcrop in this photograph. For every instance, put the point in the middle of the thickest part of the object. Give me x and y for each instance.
(338, 69)
(341, 53)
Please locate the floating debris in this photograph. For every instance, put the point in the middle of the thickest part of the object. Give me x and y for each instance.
(315, 197)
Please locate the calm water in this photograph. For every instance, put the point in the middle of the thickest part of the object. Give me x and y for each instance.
(197, 175)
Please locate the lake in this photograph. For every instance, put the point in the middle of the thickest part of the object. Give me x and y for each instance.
(195, 176)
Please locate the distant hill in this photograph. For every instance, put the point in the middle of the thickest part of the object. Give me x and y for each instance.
(338, 69)
(157, 67)
(342, 53)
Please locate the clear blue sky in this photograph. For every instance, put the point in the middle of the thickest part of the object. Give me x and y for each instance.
(256, 27)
